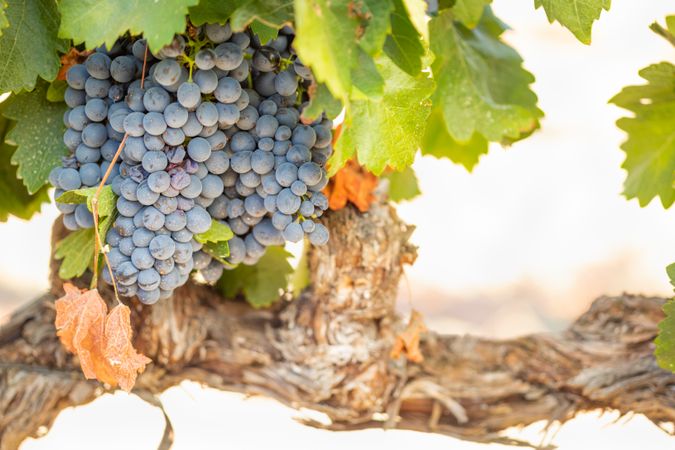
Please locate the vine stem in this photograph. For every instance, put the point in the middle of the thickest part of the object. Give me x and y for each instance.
(145, 61)
(98, 242)
(667, 35)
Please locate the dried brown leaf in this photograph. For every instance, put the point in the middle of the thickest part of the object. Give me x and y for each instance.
(354, 184)
(102, 341)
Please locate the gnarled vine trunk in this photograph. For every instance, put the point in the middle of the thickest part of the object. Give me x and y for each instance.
(329, 350)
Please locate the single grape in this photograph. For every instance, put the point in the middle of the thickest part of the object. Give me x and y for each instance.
(212, 186)
(218, 140)
(286, 83)
(162, 247)
(96, 109)
(280, 220)
(250, 180)
(90, 174)
(94, 135)
(286, 174)
(218, 209)
(123, 69)
(83, 216)
(175, 115)
(228, 90)
(288, 202)
(156, 99)
(133, 124)
(193, 189)
(266, 126)
(267, 107)
(271, 203)
(86, 154)
(237, 250)
(198, 220)
(309, 173)
(159, 181)
(298, 154)
(242, 141)
(152, 219)
(254, 248)
(205, 59)
(69, 179)
(126, 273)
(255, 206)
(293, 232)
(207, 80)
(228, 55)
(94, 88)
(262, 162)
(167, 72)
(154, 124)
(320, 235)
(173, 136)
(153, 142)
(189, 95)
(240, 73)
(127, 208)
(207, 114)
(126, 246)
(265, 59)
(199, 149)
(98, 65)
(164, 266)
(218, 33)
(240, 161)
(76, 76)
(166, 205)
(70, 223)
(299, 188)
(148, 297)
(192, 127)
(265, 233)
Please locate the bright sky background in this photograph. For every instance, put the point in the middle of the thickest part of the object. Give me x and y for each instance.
(522, 244)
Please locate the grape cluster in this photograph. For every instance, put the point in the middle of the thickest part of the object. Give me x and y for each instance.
(213, 131)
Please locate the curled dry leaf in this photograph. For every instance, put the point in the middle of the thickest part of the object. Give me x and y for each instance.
(69, 59)
(101, 340)
(354, 184)
(408, 342)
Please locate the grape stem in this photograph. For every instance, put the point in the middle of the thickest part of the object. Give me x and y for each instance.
(145, 61)
(98, 242)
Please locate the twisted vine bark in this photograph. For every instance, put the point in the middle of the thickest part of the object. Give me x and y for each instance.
(329, 350)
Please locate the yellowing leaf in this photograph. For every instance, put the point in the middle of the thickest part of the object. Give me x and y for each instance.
(352, 184)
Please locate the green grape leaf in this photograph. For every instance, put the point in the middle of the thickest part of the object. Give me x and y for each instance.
(273, 13)
(386, 132)
(376, 23)
(575, 15)
(38, 134)
(438, 143)
(404, 44)
(107, 200)
(327, 39)
(265, 33)
(97, 22)
(218, 250)
(212, 11)
(77, 252)
(261, 283)
(14, 199)
(650, 147)
(403, 185)
(56, 91)
(469, 12)
(321, 101)
(4, 23)
(218, 232)
(29, 46)
(481, 85)
(665, 341)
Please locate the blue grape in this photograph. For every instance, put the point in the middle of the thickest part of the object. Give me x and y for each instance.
(153, 142)
(280, 220)
(250, 179)
(198, 220)
(288, 202)
(218, 140)
(265, 59)
(293, 232)
(154, 124)
(283, 133)
(286, 83)
(133, 124)
(308, 226)
(69, 179)
(166, 205)
(207, 114)
(320, 235)
(218, 33)
(134, 98)
(126, 246)
(286, 174)
(127, 208)
(134, 149)
(242, 141)
(189, 95)
(152, 219)
(254, 248)
(267, 234)
(240, 161)
(228, 90)
(205, 59)
(299, 188)
(304, 135)
(240, 73)
(298, 154)
(212, 186)
(98, 65)
(83, 216)
(159, 181)
(96, 109)
(162, 247)
(175, 115)
(310, 173)
(167, 72)
(145, 196)
(207, 80)
(76, 76)
(142, 237)
(96, 88)
(72, 138)
(90, 174)
(173, 136)
(192, 127)
(154, 161)
(264, 84)
(123, 69)
(255, 206)
(77, 119)
(148, 297)
(193, 189)
(199, 149)
(156, 99)
(228, 55)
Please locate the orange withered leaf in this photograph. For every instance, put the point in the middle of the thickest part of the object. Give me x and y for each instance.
(354, 184)
(101, 340)
(69, 59)
(125, 362)
(408, 342)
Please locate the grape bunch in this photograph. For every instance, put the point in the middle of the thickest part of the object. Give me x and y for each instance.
(213, 129)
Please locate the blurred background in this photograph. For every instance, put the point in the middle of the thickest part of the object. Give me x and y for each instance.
(521, 245)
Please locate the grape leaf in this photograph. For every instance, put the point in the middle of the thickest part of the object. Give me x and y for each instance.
(650, 148)
(38, 134)
(438, 142)
(56, 91)
(102, 340)
(377, 23)
(469, 12)
(265, 33)
(212, 11)
(77, 252)
(665, 341)
(106, 199)
(261, 283)
(404, 44)
(4, 23)
(273, 13)
(321, 101)
(327, 40)
(481, 85)
(218, 232)
(97, 22)
(403, 185)
(386, 131)
(29, 46)
(14, 199)
(575, 15)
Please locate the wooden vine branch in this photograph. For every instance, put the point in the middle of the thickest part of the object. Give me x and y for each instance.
(329, 350)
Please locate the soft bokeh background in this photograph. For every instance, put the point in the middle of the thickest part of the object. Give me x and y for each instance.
(521, 245)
